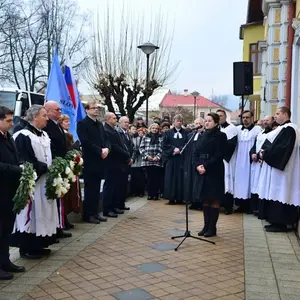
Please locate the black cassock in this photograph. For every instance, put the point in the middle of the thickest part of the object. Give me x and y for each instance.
(277, 155)
(189, 171)
(174, 173)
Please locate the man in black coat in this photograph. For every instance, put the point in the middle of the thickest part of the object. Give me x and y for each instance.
(58, 142)
(117, 169)
(10, 173)
(95, 149)
(128, 144)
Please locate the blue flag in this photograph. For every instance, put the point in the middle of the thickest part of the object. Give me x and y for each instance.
(57, 91)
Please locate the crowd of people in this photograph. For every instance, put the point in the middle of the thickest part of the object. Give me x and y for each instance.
(209, 164)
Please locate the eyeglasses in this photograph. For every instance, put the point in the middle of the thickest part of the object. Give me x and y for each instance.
(93, 108)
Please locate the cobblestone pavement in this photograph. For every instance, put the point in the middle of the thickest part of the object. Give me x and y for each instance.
(132, 258)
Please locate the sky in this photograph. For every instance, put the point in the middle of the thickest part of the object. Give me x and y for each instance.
(206, 39)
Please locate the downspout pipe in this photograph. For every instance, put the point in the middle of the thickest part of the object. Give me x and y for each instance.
(292, 9)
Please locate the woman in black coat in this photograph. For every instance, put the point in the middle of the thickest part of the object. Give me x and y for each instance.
(209, 182)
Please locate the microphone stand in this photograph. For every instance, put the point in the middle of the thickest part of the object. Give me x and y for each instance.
(187, 233)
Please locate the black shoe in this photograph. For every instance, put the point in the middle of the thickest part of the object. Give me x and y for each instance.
(91, 220)
(206, 220)
(29, 255)
(101, 219)
(68, 225)
(5, 275)
(276, 228)
(110, 215)
(10, 267)
(118, 211)
(171, 202)
(213, 219)
(125, 208)
(63, 234)
(156, 198)
(149, 198)
(228, 212)
(43, 252)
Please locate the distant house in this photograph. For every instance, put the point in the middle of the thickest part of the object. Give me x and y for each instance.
(187, 101)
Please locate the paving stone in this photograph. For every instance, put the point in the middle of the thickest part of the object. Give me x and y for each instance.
(134, 294)
(175, 232)
(164, 247)
(181, 221)
(151, 267)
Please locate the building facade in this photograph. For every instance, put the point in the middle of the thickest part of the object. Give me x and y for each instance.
(252, 33)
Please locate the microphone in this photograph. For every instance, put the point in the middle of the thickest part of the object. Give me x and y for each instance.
(197, 127)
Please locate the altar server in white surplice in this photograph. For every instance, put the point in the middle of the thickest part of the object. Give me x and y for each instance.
(231, 132)
(255, 164)
(34, 230)
(282, 155)
(247, 134)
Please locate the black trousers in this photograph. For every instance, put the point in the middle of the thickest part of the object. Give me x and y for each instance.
(153, 178)
(6, 227)
(122, 188)
(137, 183)
(115, 189)
(162, 180)
(92, 182)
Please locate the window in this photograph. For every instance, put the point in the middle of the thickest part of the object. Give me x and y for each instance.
(255, 58)
(202, 114)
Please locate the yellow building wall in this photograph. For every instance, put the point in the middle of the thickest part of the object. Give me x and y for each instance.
(253, 34)
(297, 13)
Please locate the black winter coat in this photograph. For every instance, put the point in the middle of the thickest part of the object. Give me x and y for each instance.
(58, 139)
(10, 173)
(92, 138)
(210, 152)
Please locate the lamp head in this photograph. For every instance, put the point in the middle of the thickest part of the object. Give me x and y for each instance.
(148, 48)
(195, 94)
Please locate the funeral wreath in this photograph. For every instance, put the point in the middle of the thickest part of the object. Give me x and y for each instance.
(26, 187)
(75, 161)
(58, 178)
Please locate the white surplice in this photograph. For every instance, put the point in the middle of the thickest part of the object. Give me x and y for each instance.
(229, 167)
(285, 185)
(44, 215)
(256, 166)
(242, 178)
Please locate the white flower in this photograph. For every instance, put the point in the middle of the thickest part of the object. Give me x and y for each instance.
(72, 164)
(81, 162)
(35, 176)
(68, 170)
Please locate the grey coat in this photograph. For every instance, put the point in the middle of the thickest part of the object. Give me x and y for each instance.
(136, 149)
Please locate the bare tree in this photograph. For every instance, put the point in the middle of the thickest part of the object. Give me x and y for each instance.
(220, 99)
(117, 68)
(187, 114)
(33, 27)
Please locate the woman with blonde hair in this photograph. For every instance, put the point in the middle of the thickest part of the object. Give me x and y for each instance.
(151, 150)
(72, 200)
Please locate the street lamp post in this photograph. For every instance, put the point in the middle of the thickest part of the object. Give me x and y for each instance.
(147, 48)
(195, 94)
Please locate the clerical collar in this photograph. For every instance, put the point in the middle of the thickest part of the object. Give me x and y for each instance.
(286, 122)
(35, 130)
(94, 119)
(224, 125)
(249, 127)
